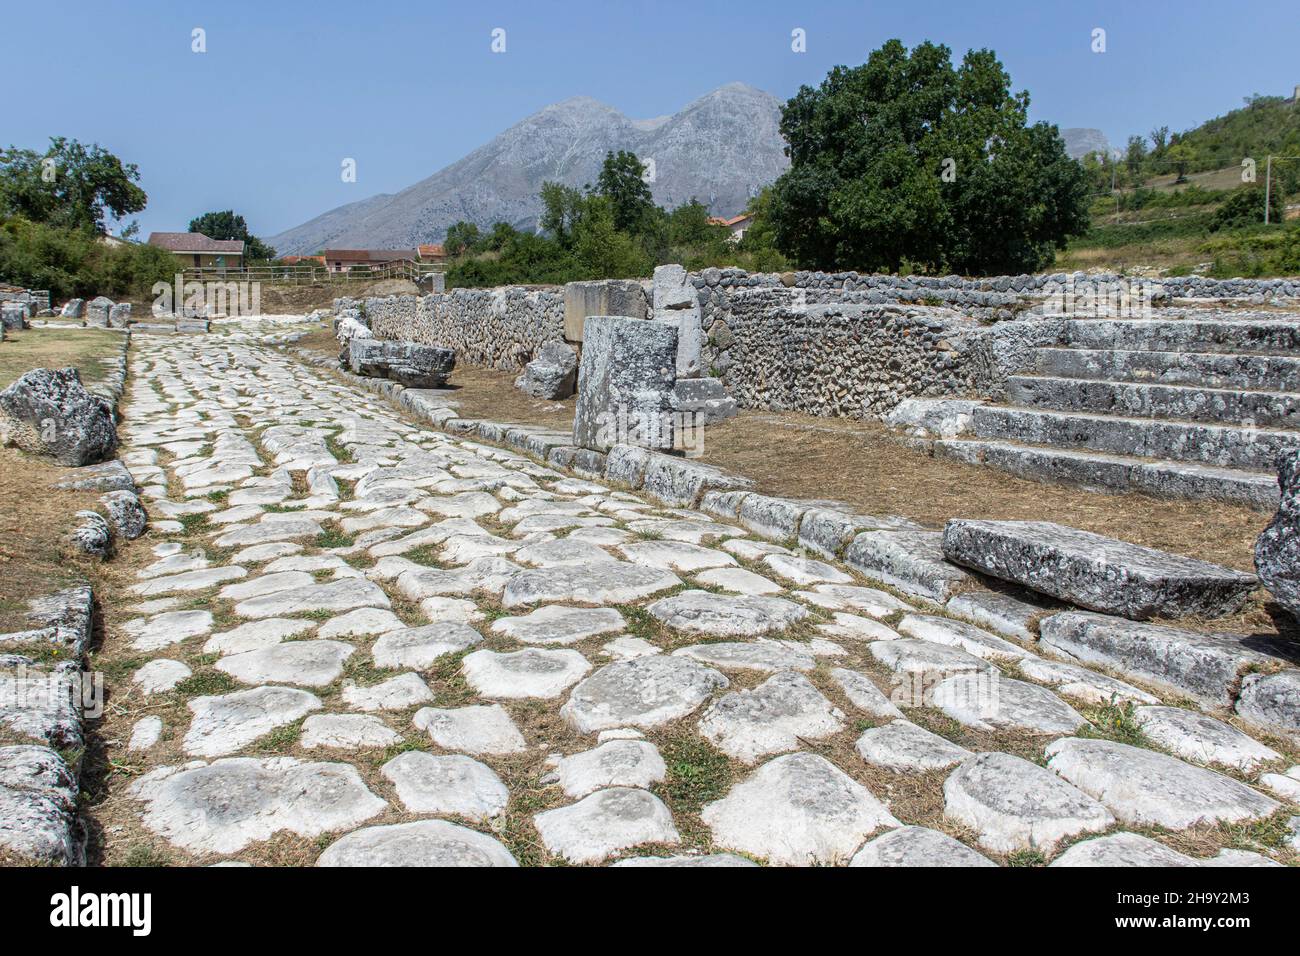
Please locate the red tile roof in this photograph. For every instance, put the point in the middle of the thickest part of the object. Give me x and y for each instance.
(370, 255)
(195, 242)
(432, 251)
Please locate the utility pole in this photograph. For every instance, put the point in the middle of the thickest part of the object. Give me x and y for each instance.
(1268, 185)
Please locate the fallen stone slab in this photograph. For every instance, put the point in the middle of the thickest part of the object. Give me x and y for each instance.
(625, 383)
(1096, 572)
(49, 412)
(1014, 805)
(228, 804)
(425, 843)
(452, 785)
(407, 363)
(1207, 667)
(108, 476)
(605, 822)
(1199, 738)
(797, 810)
(615, 763)
(644, 692)
(902, 746)
(552, 374)
(770, 719)
(702, 612)
(1142, 787)
(917, 846)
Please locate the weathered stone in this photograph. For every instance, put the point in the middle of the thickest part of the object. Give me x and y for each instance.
(49, 412)
(910, 560)
(347, 732)
(772, 718)
(865, 695)
(224, 806)
(615, 763)
(145, 732)
(1001, 613)
(453, 785)
(171, 627)
(768, 656)
(604, 823)
(739, 581)
(530, 673)
(475, 729)
(304, 663)
(676, 555)
(1075, 681)
(917, 846)
(420, 647)
(425, 843)
(160, 676)
(711, 860)
(841, 597)
(702, 612)
(1122, 849)
(625, 384)
(644, 692)
(396, 693)
(125, 513)
(1004, 704)
(1277, 551)
(1272, 700)
(797, 810)
(552, 374)
(925, 661)
(1142, 787)
(1208, 667)
(341, 595)
(1201, 739)
(602, 297)
(222, 725)
(1096, 572)
(558, 624)
(902, 746)
(599, 582)
(407, 363)
(38, 807)
(1014, 805)
(972, 640)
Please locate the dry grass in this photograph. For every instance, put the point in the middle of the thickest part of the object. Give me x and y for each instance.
(57, 348)
(862, 463)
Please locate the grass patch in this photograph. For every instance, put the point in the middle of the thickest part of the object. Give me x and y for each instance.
(334, 538)
(1114, 721)
(206, 683)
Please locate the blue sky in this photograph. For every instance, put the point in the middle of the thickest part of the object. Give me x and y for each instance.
(286, 90)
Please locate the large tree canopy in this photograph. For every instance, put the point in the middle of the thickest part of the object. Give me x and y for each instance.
(70, 186)
(227, 225)
(907, 161)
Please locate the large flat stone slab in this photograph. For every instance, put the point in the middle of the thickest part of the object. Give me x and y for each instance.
(531, 673)
(221, 725)
(558, 624)
(1208, 667)
(644, 692)
(1096, 572)
(977, 701)
(1199, 738)
(1014, 805)
(797, 810)
(615, 763)
(341, 595)
(917, 846)
(477, 729)
(303, 663)
(452, 785)
(425, 843)
(902, 746)
(420, 647)
(228, 804)
(1142, 787)
(597, 582)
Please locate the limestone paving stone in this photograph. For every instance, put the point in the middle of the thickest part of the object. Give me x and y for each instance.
(600, 582)
(772, 718)
(162, 630)
(420, 647)
(797, 810)
(676, 555)
(199, 580)
(643, 692)
(1142, 787)
(710, 860)
(425, 843)
(614, 763)
(724, 615)
(531, 673)
(145, 732)
(917, 846)
(159, 676)
(1082, 683)
(1199, 738)
(605, 822)
(863, 694)
(363, 622)
(925, 660)
(900, 745)
(396, 693)
(767, 656)
(1272, 700)
(453, 785)
(223, 806)
(1014, 805)
(738, 581)
(561, 551)
(255, 635)
(341, 595)
(977, 701)
(558, 624)
(847, 597)
(853, 628)
(477, 729)
(347, 732)
(303, 663)
(804, 571)
(224, 724)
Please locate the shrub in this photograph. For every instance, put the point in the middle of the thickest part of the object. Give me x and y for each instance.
(74, 262)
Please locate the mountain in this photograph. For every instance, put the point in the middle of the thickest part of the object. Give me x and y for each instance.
(1079, 142)
(720, 150)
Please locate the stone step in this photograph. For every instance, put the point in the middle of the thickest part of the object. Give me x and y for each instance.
(1143, 400)
(1118, 474)
(1225, 446)
(1184, 335)
(1208, 369)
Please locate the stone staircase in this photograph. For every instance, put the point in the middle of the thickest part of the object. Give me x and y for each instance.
(1196, 405)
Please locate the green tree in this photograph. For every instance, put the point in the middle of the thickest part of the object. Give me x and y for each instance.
(622, 182)
(1245, 207)
(1179, 156)
(562, 209)
(227, 225)
(907, 159)
(461, 237)
(70, 186)
(602, 250)
(1134, 157)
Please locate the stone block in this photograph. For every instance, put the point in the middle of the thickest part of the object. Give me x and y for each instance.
(601, 297)
(625, 384)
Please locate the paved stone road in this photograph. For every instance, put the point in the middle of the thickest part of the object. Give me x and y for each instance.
(396, 646)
